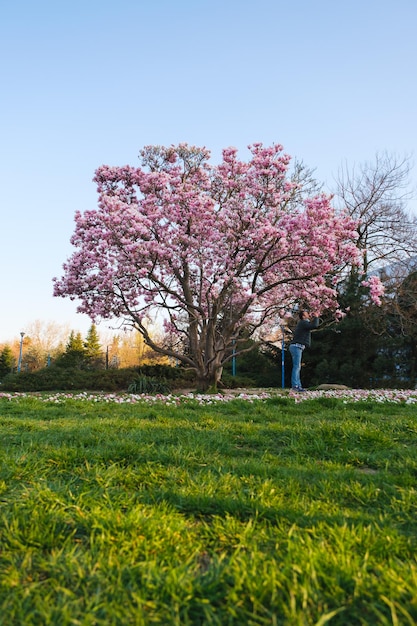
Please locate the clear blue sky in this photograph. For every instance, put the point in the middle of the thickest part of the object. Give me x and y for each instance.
(86, 82)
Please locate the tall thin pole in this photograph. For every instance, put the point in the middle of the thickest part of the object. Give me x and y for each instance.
(19, 363)
(234, 358)
(283, 358)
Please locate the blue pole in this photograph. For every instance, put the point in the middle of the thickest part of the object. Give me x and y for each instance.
(234, 360)
(282, 359)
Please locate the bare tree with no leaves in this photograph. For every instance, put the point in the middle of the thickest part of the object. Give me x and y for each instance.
(376, 195)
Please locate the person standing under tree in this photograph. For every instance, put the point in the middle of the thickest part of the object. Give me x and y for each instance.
(301, 339)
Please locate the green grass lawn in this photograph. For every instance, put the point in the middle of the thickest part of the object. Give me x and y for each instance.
(265, 512)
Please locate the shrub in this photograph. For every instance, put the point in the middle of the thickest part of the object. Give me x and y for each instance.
(69, 379)
(148, 384)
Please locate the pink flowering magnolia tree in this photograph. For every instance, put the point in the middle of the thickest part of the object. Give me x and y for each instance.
(223, 251)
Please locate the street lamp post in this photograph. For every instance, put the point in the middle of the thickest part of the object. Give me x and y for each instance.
(19, 363)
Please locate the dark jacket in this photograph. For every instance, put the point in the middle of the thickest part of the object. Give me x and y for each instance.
(302, 333)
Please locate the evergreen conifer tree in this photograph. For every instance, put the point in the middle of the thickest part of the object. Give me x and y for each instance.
(6, 361)
(93, 349)
(75, 353)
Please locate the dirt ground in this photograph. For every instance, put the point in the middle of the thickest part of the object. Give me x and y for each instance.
(253, 391)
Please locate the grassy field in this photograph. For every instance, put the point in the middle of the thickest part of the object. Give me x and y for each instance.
(274, 511)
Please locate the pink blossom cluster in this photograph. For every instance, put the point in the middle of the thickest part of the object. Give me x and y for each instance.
(376, 288)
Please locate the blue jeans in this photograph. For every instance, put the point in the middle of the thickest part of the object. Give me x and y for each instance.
(296, 354)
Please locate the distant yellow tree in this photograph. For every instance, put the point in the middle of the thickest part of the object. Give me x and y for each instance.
(130, 350)
(42, 342)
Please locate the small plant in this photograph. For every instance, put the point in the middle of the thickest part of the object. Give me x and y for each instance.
(148, 385)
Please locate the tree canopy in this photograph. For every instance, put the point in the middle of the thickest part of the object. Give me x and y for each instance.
(222, 251)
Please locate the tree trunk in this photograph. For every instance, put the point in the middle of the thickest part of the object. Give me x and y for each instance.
(209, 380)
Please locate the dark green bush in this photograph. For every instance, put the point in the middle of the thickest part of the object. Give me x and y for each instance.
(235, 382)
(144, 379)
(73, 379)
